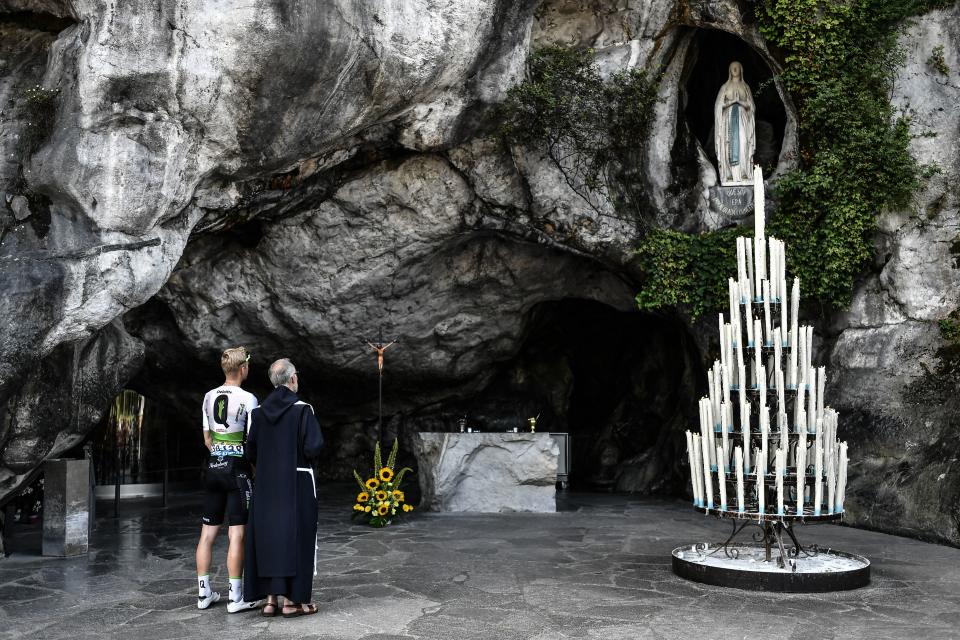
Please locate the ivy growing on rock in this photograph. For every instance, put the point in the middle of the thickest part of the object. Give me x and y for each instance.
(591, 129)
(839, 62)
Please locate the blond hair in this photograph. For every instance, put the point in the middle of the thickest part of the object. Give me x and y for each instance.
(232, 359)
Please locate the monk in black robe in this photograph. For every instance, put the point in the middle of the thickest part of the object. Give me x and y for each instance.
(282, 439)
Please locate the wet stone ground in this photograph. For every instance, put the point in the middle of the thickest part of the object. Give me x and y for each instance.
(598, 569)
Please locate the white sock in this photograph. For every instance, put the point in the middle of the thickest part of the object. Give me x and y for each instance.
(236, 589)
(204, 585)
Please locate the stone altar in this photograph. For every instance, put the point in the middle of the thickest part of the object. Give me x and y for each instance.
(487, 472)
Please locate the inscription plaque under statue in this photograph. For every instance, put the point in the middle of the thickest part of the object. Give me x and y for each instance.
(734, 202)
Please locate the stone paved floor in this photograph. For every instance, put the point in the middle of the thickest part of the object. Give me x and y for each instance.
(599, 569)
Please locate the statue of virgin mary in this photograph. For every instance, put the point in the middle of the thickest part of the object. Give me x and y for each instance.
(733, 125)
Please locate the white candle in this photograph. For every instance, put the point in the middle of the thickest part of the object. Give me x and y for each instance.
(784, 317)
(722, 477)
(751, 276)
(777, 350)
(830, 451)
(798, 407)
(735, 314)
(693, 470)
(801, 469)
(795, 311)
(738, 460)
(723, 340)
(725, 457)
(707, 476)
(821, 388)
(842, 476)
(774, 261)
(812, 402)
(781, 403)
(741, 262)
(758, 202)
(698, 459)
(758, 271)
(748, 319)
(761, 490)
(767, 325)
(758, 350)
(818, 469)
(711, 442)
(764, 438)
(779, 459)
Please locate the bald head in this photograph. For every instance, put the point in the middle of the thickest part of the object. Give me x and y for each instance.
(282, 372)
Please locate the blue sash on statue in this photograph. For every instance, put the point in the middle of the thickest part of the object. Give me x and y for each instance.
(733, 135)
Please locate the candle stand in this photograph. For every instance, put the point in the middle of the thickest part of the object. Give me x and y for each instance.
(767, 456)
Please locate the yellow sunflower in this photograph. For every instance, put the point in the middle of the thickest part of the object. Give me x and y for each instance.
(363, 497)
(386, 474)
(382, 509)
(366, 509)
(407, 508)
(380, 496)
(397, 494)
(372, 483)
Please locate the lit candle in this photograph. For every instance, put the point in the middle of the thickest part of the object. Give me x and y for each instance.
(792, 369)
(748, 320)
(798, 407)
(751, 276)
(784, 317)
(725, 379)
(738, 461)
(722, 477)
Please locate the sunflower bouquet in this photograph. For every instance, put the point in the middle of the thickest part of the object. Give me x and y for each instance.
(380, 496)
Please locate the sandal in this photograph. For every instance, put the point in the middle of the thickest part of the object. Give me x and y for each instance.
(300, 610)
(272, 612)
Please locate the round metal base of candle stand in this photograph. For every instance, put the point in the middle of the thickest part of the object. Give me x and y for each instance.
(829, 570)
(775, 560)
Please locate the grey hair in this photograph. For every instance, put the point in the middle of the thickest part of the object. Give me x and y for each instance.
(281, 371)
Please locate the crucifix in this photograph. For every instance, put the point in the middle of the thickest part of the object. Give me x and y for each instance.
(380, 347)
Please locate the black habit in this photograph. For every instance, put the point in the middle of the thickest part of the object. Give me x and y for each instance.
(281, 533)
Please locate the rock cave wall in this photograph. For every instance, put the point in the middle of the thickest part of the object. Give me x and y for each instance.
(292, 175)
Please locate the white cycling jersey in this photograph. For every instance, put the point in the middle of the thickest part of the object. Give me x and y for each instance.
(225, 414)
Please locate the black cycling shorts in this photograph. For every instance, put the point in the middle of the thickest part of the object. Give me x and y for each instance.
(227, 489)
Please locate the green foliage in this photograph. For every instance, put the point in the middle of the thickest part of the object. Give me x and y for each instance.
(840, 60)
(590, 129)
(937, 62)
(680, 269)
(41, 109)
(950, 328)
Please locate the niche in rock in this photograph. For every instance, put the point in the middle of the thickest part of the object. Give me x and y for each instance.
(707, 69)
(623, 384)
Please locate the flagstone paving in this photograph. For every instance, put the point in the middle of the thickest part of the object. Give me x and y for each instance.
(598, 569)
